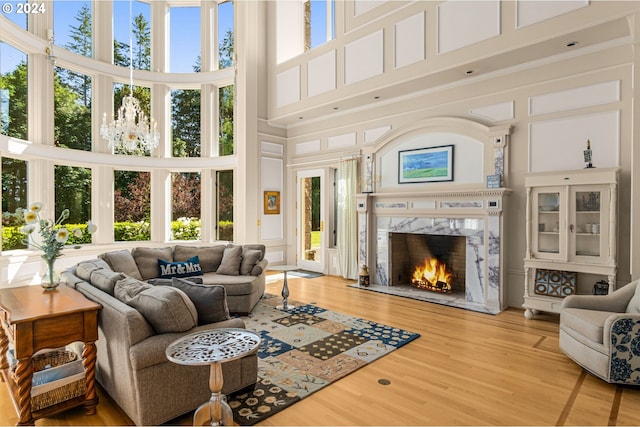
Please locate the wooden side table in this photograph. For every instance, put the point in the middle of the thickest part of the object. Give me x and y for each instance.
(34, 319)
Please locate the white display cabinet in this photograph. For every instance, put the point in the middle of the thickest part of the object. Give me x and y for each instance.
(571, 228)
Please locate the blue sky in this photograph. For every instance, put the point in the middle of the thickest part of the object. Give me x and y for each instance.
(184, 29)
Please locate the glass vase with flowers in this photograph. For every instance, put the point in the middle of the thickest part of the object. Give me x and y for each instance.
(53, 239)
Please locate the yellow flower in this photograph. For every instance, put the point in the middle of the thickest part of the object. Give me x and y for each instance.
(36, 207)
(62, 235)
(30, 217)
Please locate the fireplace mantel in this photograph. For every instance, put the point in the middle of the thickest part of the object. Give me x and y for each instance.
(463, 206)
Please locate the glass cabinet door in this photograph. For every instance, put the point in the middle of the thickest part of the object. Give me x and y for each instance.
(587, 227)
(547, 237)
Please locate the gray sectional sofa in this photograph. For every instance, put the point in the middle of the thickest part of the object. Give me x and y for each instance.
(239, 268)
(143, 313)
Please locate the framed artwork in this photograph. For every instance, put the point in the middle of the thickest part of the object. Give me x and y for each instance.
(271, 202)
(433, 164)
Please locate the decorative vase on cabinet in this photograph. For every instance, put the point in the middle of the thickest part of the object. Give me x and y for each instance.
(571, 225)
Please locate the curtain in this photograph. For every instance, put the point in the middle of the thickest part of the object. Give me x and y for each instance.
(347, 220)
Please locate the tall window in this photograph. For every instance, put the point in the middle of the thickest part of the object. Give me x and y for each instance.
(225, 118)
(185, 123)
(225, 34)
(13, 92)
(319, 20)
(140, 34)
(14, 197)
(185, 216)
(184, 46)
(224, 205)
(73, 192)
(72, 26)
(72, 109)
(132, 206)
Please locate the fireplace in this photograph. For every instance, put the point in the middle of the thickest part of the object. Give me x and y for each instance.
(463, 230)
(429, 262)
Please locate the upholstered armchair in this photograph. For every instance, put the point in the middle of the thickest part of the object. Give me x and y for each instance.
(602, 333)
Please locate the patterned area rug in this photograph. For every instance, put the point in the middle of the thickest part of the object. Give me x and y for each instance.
(305, 349)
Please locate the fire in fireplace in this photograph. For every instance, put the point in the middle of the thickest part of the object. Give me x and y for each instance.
(432, 276)
(429, 262)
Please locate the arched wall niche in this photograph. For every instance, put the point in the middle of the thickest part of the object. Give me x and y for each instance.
(478, 151)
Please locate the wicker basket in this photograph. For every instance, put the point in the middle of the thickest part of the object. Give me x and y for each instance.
(60, 390)
(51, 359)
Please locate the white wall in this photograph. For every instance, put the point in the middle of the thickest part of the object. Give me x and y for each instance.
(554, 105)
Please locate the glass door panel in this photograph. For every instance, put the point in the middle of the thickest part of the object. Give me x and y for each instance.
(548, 213)
(587, 223)
(310, 221)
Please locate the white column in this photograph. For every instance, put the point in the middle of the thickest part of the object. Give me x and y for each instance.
(160, 205)
(40, 113)
(250, 47)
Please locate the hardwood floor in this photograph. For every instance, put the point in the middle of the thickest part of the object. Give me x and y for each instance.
(467, 368)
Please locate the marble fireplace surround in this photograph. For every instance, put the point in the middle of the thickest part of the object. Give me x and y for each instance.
(476, 215)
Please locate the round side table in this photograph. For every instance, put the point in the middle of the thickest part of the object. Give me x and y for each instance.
(213, 347)
(285, 288)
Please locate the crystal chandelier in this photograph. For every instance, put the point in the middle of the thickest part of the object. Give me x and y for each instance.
(130, 132)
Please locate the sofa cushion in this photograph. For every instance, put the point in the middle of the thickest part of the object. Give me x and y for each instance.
(190, 267)
(231, 259)
(122, 261)
(167, 309)
(85, 268)
(147, 260)
(249, 259)
(634, 302)
(210, 256)
(210, 300)
(588, 323)
(234, 285)
(127, 288)
(106, 279)
(259, 267)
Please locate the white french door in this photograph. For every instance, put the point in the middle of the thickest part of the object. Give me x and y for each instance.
(310, 231)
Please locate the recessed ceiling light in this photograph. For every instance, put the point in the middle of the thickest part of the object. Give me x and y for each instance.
(572, 44)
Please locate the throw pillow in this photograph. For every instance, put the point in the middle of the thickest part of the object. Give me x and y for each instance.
(210, 256)
(249, 258)
(166, 309)
(122, 261)
(210, 300)
(634, 303)
(147, 259)
(105, 279)
(167, 282)
(168, 269)
(231, 259)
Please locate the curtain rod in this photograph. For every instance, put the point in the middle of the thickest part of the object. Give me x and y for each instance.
(315, 162)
